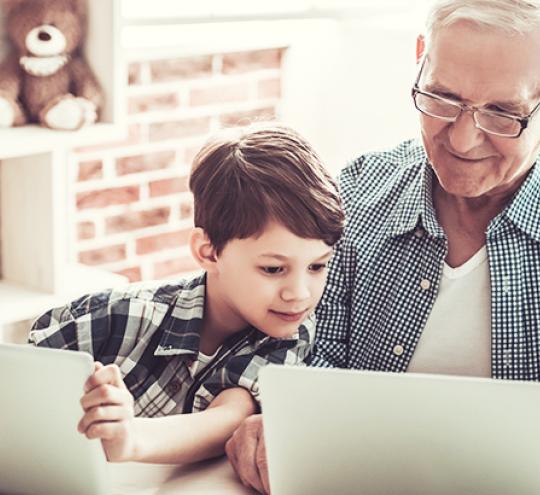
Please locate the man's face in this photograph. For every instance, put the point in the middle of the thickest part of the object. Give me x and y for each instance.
(272, 282)
(489, 69)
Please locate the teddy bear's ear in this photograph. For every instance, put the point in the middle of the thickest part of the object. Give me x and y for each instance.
(7, 5)
(80, 6)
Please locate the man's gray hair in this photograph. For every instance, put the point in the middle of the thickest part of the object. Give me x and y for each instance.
(509, 16)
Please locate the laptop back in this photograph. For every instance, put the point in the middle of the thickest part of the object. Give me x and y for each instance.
(349, 432)
(41, 451)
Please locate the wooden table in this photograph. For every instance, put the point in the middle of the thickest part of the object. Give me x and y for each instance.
(204, 478)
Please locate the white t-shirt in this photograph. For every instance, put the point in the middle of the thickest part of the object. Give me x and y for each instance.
(201, 362)
(457, 337)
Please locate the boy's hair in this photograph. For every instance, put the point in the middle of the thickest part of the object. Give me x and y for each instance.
(245, 177)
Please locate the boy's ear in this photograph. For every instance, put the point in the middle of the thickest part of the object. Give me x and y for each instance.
(420, 47)
(202, 249)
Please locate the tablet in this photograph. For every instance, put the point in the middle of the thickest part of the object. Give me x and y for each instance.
(333, 431)
(41, 451)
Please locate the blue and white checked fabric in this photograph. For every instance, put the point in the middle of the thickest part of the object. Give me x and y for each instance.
(152, 333)
(385, 275)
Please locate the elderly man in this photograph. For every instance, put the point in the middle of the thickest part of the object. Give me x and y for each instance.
(439, 267)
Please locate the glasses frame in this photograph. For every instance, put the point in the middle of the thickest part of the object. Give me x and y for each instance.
(463, 107)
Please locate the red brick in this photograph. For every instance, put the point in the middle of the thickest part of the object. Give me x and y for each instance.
(100, 256)
(159, 242)
(90, 170)
(238, 62)
(177, 266)
(168, 186)
(269, 88)
(148, 103)
(137, 220)
(142, 163)
(134, 73)
(179, 129)
(86, 230)
(107, 197)
(234, 119)
(186, 210)
(219, 94)
(180, 69)
(133, 274)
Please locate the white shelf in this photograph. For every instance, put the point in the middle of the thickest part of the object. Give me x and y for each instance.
(33, 139)
(34, 181)
(19, 303)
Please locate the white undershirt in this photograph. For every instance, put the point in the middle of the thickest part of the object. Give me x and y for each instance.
(457, 337)
(201, 362)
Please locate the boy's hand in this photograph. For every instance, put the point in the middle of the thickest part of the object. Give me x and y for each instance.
(108, 413)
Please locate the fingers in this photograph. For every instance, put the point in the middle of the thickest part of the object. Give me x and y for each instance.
(106, 431)
(106, 395)
(101, 415)
(262, 463)
(242, 451)
(102, 375)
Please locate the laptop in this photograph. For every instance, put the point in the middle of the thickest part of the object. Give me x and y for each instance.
(331, 431)
(41, 451)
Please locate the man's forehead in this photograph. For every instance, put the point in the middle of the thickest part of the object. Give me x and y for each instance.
(473, 84)
(470, 58)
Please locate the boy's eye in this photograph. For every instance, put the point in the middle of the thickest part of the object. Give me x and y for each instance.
(317, 267)
(272, 270)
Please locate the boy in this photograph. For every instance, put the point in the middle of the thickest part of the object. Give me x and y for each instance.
(266, 217)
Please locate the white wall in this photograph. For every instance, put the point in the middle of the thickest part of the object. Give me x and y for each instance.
(347, 85)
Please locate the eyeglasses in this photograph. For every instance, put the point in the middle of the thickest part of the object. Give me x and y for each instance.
(493, 122)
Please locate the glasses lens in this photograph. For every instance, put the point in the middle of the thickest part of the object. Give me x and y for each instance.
(498, 124)
(436, 107)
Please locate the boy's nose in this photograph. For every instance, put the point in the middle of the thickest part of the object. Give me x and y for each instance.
(295, 291)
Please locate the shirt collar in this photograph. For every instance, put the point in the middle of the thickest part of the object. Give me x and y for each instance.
(414, 209)
(524, 210)
(182, 324)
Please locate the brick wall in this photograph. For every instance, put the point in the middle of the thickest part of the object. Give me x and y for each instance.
(132, 208)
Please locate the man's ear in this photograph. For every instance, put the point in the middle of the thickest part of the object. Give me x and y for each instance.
(202, 249)
(420, 47)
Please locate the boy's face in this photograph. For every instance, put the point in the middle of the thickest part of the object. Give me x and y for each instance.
(272, 282)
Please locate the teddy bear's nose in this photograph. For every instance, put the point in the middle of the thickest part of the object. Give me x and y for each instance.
(44, 36)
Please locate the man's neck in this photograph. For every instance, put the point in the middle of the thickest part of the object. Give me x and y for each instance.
(465, 221)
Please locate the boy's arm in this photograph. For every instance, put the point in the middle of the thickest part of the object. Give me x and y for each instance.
(174, 439)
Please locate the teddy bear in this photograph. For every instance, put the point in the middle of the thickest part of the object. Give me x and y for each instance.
(44, 79)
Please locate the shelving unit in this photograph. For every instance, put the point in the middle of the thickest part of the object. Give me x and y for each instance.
(35, 270)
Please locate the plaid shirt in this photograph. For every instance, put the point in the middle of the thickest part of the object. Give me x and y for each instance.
(385, 275)
(152, 333)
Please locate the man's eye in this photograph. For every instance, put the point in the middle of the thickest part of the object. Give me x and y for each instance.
(272, 270)
(317, 267)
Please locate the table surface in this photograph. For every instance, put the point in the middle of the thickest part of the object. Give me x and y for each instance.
(209, 477)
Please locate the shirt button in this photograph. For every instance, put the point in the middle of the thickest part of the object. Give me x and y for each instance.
(173, 387)
(398, 350)
(419, 232)
(425, 284)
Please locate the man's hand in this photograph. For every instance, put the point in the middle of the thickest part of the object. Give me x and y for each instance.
(247, 453)
(108, 413)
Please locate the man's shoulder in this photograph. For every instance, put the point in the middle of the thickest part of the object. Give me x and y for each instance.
(407, 154)
(373, 176)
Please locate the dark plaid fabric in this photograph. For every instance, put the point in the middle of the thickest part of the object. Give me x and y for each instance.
(385, 274)
(151, 332)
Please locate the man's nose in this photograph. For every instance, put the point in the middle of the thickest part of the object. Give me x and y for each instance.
(463, 134)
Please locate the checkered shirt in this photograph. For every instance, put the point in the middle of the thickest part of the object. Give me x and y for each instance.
(385, 275)
(152, 333)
